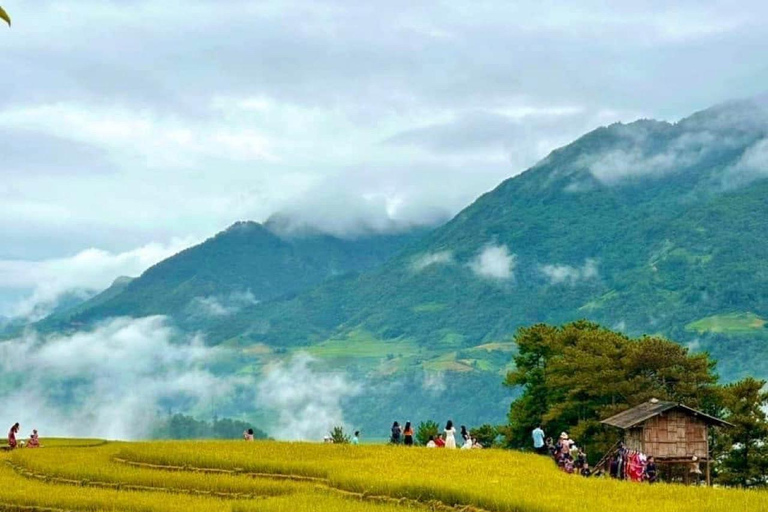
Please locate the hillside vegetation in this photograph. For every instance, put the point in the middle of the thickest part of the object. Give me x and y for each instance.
(271, 476)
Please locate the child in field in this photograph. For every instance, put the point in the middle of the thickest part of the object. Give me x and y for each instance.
(34, 440)
(248, 435)
(408, 434)
(356, 438)
(12, 436)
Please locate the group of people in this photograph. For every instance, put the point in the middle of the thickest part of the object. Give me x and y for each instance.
(625, 464)
(13, 443)
(568, 457)
(405, 436)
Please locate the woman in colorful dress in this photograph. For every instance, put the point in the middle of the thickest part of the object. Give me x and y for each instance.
(12, 436)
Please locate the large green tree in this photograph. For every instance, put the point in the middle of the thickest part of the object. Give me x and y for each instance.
(745, 462)
(578, 374)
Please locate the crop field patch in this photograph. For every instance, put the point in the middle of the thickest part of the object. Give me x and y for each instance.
(271, 476)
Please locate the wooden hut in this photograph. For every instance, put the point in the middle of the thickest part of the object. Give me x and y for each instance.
(674, 434)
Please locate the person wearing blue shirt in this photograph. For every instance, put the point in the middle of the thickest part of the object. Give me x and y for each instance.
(356, 437)
(538, 440)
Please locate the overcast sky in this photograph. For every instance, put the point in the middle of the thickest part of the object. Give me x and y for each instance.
(131, 128)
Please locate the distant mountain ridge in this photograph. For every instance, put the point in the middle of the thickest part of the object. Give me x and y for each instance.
(246, 264)
(648, 226)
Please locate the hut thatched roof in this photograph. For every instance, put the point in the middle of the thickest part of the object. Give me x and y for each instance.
(647, 410)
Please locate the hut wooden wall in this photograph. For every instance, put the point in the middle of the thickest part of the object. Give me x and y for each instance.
(674, 434)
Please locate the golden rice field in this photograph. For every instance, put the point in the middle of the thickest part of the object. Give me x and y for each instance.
(82, 475)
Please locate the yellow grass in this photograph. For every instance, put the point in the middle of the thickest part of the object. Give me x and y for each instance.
(342, 478)
(492, 479)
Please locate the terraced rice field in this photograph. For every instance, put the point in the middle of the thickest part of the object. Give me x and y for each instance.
(84, 475)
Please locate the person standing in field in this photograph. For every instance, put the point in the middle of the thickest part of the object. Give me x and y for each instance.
(356, 438)
(408, 434)
(248, 435)
(538, 440)
(464, 434)
(396, 431)
(12, 436)
(450, 435)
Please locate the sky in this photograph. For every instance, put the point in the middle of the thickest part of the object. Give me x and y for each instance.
(131, 129)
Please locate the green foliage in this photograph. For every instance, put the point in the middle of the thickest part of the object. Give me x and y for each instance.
(578, 374)
(339, 436)
(746, 461)
(425, 430)
(180, 426)
(486, 435)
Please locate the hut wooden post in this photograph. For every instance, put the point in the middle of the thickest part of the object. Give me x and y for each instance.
(709, 464)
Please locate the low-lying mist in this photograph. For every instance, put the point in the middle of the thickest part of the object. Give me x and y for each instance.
(119, 378)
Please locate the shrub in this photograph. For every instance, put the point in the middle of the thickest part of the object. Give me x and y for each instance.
(486, 435)
(425, 430)
(338, 436)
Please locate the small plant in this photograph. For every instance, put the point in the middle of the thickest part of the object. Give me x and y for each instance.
(425, 430)
(339, 436)
(486, 435)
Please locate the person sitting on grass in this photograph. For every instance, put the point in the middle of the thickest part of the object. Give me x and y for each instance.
(431, 443)
(34, 440)
(476, 444)
(12, 436)
(467, 444)
(585, 471)
(356, 438)
(440, 442)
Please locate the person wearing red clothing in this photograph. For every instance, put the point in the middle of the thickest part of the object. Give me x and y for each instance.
(440, 442)
(12, 436)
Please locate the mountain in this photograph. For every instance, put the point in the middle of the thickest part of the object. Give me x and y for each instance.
(646, 227)
(244, 265)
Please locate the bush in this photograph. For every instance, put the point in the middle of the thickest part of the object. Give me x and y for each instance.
(485, 434)
(338, 436)
(425, 430)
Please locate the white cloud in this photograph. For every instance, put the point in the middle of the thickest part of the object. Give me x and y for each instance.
(433, 258)
(494, 262)
(221, 305)
(307, 402)
(91, 269)
(557, 273)
(112, 381)
(753, 165)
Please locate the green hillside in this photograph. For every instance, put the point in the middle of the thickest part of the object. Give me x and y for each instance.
(245, 265)
(648, 227)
